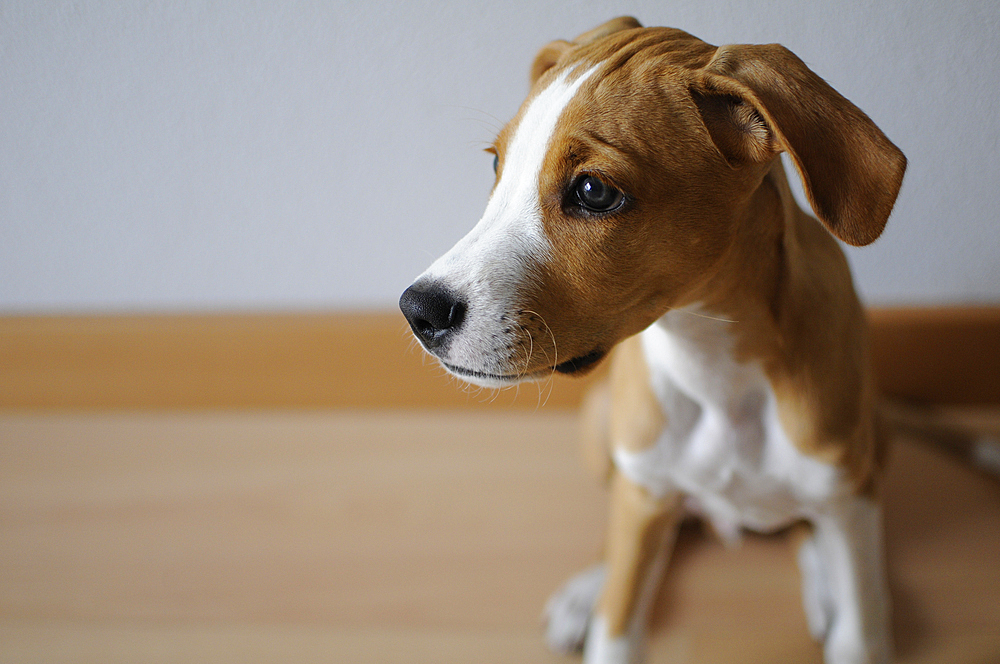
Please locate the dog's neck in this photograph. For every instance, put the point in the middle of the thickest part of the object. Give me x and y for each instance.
(763, 286)
(782, 298)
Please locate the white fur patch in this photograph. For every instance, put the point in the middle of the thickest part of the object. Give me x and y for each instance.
(848, 544)
(602, 648)
(488, 266)
(724, 445)
(569, 611)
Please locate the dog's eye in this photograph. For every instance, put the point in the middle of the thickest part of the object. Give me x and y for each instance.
(595, 196)
(496, 163)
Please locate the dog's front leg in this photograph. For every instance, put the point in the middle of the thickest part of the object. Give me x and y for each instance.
(843, 567)
(640, 536)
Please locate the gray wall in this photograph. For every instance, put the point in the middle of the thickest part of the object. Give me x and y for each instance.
(222, 154)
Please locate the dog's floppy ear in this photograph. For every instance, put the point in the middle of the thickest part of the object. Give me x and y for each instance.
(550, 53)
(759, 100)
(548, 57)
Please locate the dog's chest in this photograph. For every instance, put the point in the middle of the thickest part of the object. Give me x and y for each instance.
(723, 445)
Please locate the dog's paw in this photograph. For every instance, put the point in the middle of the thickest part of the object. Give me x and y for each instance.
(602, 648)
(844, 646)
(568, 611)
(816, 599)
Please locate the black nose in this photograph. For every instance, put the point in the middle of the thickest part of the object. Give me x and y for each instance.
(432, 312)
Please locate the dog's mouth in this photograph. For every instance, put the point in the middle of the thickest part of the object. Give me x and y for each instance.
(576, 366)
(581, 364)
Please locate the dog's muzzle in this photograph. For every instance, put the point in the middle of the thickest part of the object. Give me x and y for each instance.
(434, 314)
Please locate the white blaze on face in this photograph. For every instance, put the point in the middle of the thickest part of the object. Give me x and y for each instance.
(487, 267)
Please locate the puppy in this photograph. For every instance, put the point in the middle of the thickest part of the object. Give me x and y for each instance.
(640, 205)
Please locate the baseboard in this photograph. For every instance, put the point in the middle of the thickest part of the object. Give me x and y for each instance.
(948, 355)
(339, 360)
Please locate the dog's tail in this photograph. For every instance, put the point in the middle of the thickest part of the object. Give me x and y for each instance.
(978, 446)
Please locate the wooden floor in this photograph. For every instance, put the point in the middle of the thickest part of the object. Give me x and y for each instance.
(387, 537)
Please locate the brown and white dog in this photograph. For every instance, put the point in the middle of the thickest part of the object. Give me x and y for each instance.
(640, 203)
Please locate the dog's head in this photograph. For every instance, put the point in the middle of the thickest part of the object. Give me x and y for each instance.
(619, 185)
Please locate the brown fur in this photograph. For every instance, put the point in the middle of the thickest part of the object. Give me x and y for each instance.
(691, 133)
(637, 418)
(642, 532)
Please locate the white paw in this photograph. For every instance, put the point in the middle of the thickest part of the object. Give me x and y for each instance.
(816, 597)
(569, 610)
(845, 647)
(602, 648)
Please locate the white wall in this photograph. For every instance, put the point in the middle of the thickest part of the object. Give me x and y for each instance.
(284, 155)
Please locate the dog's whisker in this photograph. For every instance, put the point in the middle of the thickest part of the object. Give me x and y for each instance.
(494, 127)
(549, 387)
(531, 352)
(695, 313)
(555, 346)
(429, 253)
(495, 394)
(489, 119)
(521, 373)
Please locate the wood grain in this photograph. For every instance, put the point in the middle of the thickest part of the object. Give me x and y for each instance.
(368, 360)
(386, 537)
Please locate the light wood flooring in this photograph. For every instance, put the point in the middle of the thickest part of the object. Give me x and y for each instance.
(410, 537)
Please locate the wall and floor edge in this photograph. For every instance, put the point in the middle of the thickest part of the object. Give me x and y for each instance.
(946, 355)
